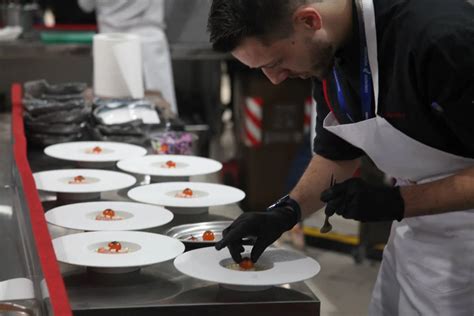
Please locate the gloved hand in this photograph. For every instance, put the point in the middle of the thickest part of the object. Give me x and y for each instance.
(356, 199)
(265, 226)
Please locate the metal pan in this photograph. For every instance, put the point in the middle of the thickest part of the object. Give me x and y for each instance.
(196, 230)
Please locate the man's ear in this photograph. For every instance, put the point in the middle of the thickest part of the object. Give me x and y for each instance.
(307, 18)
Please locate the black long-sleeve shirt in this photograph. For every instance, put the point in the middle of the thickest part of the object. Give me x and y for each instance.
(426, 77)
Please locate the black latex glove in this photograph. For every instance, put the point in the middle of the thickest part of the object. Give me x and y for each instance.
(265, 226)
(356, 199)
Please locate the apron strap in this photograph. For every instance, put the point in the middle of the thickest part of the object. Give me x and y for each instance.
(371, 38)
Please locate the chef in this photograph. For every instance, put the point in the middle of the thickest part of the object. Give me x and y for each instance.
(146, 19)
(393, 80)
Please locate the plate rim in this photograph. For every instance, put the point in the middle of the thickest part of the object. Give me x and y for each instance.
(59, 208)
(317, 267)
(48, 148)
(188, 204)
(105, 265)
(130, 178)
(120, 164)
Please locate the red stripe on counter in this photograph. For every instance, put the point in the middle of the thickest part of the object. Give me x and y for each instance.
(49, 264)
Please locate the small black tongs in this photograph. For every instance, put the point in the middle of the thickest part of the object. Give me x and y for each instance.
(327, 227)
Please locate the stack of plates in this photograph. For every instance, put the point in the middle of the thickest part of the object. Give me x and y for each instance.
(55, 113)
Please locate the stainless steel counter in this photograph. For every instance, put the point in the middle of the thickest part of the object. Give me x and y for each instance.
(10, 266)
(18, 255)
(161, 289)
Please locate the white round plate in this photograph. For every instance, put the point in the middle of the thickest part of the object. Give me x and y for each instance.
(145, 249)
(155, 165)
(96, 180)
(280, 266)
(82, 216)
(206, 194)
(82, 151)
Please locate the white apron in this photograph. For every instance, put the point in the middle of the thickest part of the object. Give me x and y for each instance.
(428, 263)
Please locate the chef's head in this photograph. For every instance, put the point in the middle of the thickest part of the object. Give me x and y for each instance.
(284, 38)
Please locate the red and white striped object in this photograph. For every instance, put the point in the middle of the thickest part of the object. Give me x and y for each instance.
(253, 115)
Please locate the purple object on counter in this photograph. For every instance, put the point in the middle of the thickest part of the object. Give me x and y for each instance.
(173, 143)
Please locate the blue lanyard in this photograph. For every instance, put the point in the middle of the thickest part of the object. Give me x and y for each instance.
(365, 88)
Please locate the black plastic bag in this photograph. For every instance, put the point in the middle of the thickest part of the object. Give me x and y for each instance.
(72, 116)
(38, 107)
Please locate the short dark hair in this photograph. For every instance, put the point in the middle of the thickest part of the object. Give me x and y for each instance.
(230, 21)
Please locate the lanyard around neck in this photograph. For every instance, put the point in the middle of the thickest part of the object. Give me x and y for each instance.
(368, 63)
(365, 88)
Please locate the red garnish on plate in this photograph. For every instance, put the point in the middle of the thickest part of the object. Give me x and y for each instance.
(108, 213)
(115, 246)
(171, 164)
(78, 179)
(187, 192)
(208, 235)
(96, 150)
(246, 264)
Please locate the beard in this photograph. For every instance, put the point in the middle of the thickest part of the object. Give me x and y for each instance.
(322, 62)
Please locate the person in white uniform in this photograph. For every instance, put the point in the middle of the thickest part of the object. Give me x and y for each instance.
(146, 19)
(393, 80)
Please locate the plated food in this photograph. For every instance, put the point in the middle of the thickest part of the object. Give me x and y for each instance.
(171, 194)
(77, 180)
(245, 265)
(113, 247)
(170, 166)
(186, 194)
(108, 216)
(203, 234)
(275, 267)
(208, 235)
(82, 180)
(94, 151)
(117, 251)
(97, 150)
